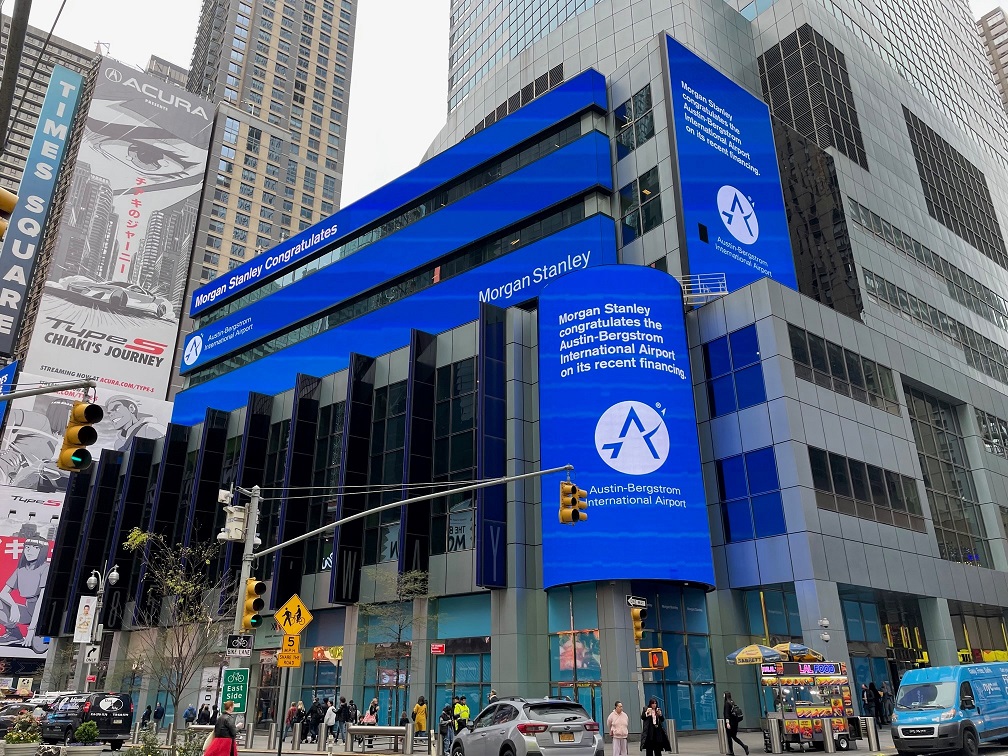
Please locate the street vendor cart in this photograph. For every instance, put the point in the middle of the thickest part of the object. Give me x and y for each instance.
(802, 695)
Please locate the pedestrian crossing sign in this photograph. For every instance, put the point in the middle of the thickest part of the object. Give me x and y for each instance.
(293, 616)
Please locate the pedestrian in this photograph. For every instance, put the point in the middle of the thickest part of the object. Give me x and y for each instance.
(342, 719)
(225, 734)
(420, 715)
(315, 716)
(289, 720)
(618, 725)
(214, 713)
(300, 717)
(146, 718)
(355, 717)
(371, 718)
(446, 727)
(158, 716)
(461, 714)
(653, 737)
(404, 721)
(204, 715)
(189, 715)
(877, 699)
(493, 697)
(867, 701)
(733, 715)
(330, 721)
(888, 702)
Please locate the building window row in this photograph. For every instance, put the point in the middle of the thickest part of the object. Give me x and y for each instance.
(994, 432)
(634, 122)
(640, 206)
(855, 488)
(962, 287)
(734, 372)
(465, 185)
(981, 353)
(831, 366)
(468, 259)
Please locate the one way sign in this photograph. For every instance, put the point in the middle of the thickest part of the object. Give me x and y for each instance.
(239, 645)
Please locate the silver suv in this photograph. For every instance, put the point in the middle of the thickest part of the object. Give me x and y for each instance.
(527, 727)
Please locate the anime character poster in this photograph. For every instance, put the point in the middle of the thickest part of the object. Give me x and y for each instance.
(27, 533)
(36, 424)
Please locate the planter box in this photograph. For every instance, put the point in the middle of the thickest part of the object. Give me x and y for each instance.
(83, 750)
(20, 749)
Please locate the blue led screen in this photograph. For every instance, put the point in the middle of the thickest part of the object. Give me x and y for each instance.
(586, 90)
(616, 401)
(581, 165)
(733, 208)
(506, 281)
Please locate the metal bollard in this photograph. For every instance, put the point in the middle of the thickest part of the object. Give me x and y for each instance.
(408, 740)
(249, 734)
(722, 736)
(136, 734)
(673, 735)
(436, 742)
(271, 739)
(348, 744)
(297, 737)
(323, 736)
(871, 732)
(829, 745)
(774, 726)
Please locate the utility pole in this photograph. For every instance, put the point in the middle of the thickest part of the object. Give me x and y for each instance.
(251, 526)
(52, 388)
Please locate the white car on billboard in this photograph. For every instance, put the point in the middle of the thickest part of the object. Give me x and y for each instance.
(120, 296)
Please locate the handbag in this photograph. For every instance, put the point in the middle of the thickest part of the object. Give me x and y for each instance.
(369, 719)
(208, 741)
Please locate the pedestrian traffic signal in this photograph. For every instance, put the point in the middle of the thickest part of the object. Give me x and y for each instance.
(254, 589)
(79, 434)
(657, 659)
(8, 200)
(639, 614)
(573, 501)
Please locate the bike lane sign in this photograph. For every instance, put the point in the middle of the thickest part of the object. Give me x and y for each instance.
(235, 688)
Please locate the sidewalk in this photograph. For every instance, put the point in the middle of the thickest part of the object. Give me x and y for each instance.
(699, 744)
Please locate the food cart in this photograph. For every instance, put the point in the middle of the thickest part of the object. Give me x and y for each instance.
(803, 694)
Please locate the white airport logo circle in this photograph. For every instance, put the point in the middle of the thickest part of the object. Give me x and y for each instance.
(193, 350)
(738, 214)
(631, 437)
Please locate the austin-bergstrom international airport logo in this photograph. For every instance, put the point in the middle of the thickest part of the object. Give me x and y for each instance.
(738, 214)
(631, 437)
(193, 350)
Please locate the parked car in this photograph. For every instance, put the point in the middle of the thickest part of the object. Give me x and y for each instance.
(9, 711)
(112, 712)
(955, 708)
(523, 727)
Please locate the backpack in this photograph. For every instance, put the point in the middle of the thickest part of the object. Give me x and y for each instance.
(736, 713)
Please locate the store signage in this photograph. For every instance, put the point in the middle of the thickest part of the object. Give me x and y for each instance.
(437, 649)
(733, 211)
(616, 402)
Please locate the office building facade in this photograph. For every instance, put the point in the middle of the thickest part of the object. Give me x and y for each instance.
(993, 29)
(849, 398)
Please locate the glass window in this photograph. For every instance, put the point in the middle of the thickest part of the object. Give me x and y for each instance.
(799, 346)
(859, 480)
(744, 346)
(749, 386)
(731, 478)
(841, 479)
(716, 357)
(761, 469)
(768, 515)
(737, 521)
(722, 395)
(876, 483)
(819, 461)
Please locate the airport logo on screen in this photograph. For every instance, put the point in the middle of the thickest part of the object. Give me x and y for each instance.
(738, 214)
(631, 438)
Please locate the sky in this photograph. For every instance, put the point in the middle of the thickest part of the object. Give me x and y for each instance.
(398, 90)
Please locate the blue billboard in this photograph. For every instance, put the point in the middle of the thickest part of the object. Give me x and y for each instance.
(616, 401)
(6, 385)
(733, 212)
(508, 280)
(24, 233)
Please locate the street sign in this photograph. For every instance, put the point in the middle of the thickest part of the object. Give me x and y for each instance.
(291, 644)
(235, 688)
(293, 616)
(289, 659)
(91, 654)
(636, 601)
(239, 645)
(92, 678)
(437, 649)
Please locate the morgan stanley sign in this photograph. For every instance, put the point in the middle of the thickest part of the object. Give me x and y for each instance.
(20, 246)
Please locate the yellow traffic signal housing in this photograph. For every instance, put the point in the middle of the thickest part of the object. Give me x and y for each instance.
(80, 433)
(254, 589)
(638, 614)
(657, 659)
(573, 502)
(8, 201)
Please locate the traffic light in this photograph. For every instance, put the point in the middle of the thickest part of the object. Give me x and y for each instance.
(657, 659)
(639, 614)
(79, 433)
(572, 503)
(254, 589)
(8, 200)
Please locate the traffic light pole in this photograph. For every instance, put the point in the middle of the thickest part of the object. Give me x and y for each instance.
(251, 526)
(50, 389)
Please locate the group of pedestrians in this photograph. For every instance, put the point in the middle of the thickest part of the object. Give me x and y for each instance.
(878, 703)
(455, 716)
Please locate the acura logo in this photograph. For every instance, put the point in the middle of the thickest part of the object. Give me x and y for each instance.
(113, 74)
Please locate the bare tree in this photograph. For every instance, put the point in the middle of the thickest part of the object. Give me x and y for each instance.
(395, 617)
(186, 612)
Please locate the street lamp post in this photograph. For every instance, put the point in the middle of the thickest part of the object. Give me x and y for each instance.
(99, 581)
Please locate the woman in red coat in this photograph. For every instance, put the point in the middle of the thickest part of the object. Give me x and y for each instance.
(225, 734)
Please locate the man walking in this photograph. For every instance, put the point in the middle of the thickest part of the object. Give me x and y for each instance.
(158, 716)
(342, 719)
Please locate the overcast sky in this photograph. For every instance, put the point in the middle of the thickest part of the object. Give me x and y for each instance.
(398, 90)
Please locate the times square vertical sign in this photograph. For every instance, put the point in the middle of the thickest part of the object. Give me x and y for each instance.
(24, 233)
